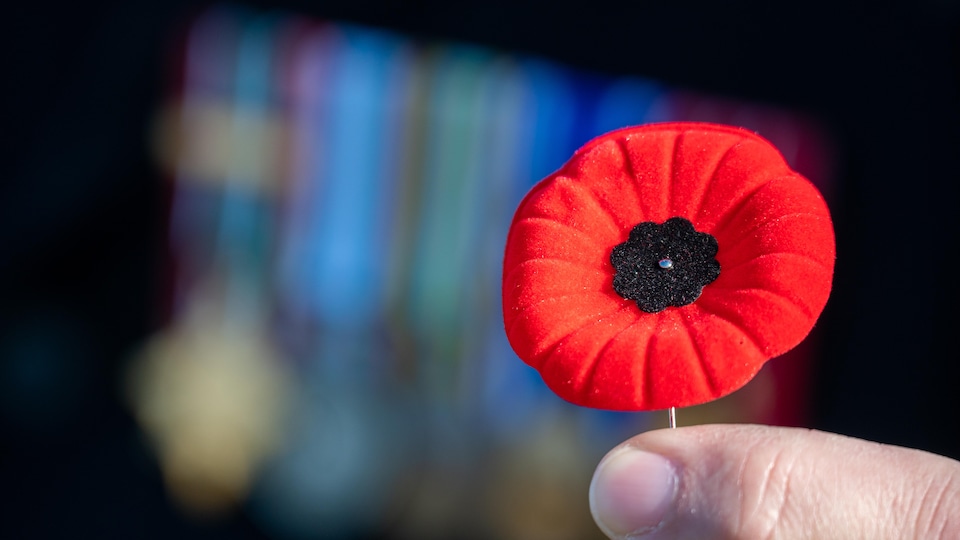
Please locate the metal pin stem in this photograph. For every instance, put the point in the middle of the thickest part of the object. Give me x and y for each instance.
(672, 415)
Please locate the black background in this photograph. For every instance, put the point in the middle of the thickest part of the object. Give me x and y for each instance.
(81, 211)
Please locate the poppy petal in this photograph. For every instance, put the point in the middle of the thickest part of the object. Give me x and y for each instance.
(574, 358)
(570, 202)
(728, 355)
(697, 158)
(618, 377)
(604, 170)
(748, 165)
(598, 349)
(751, 309)
(785, 274)
(550, 299)
(677, 374)
(578, 246)
(650, 157)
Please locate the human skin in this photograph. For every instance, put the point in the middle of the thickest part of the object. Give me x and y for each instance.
(761, 482)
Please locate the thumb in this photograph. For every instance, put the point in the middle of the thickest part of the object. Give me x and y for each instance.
(764, 482)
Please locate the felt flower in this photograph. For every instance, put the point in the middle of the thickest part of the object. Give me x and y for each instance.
(663, 265)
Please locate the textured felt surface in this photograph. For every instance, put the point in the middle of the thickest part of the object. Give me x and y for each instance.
(663, 265)
(596, 348)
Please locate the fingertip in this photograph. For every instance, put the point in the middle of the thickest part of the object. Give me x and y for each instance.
(633, 492)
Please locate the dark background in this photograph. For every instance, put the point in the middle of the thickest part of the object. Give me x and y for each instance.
(81, 211)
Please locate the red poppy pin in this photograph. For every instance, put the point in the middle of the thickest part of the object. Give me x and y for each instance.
(663, 265)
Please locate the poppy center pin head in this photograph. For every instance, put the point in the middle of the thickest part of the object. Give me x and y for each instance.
(664, 265)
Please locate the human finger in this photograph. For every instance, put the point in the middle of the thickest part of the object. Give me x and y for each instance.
(743, 481)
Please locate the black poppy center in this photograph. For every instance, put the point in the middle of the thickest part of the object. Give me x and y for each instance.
(664, 265)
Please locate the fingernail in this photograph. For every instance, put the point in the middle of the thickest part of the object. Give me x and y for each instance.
(631, 492)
